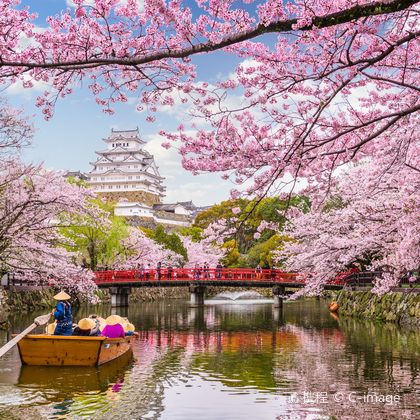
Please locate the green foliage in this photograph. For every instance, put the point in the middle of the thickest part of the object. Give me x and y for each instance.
(170, 241)
(232, 256)
(195, 233)
(243, 249)
(218, 211)
(98, 241)
(334, 203)
(77, 181)
(262, 252)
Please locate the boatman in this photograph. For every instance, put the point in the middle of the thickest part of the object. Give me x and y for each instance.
(63, 314)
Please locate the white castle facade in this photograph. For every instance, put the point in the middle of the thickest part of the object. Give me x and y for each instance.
(127, 175)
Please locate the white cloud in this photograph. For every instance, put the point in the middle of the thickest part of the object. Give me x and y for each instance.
(18, 88)
(180, 184)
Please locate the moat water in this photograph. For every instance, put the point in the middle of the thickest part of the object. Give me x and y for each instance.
(229, 360)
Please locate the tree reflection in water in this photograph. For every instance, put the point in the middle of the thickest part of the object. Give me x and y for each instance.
(246, 359)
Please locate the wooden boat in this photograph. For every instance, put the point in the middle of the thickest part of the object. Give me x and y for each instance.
(56, 350)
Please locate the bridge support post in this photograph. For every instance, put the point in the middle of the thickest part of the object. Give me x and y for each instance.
(278, 293)
(119, 296)
(197, 295)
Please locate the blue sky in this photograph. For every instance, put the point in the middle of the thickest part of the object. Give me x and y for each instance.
(69, 140)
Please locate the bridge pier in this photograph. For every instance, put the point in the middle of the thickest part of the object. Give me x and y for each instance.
(119, 296)
(278, 293)
(197, 295)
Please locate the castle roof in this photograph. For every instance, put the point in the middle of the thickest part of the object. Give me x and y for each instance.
(124, 135)
(123, 172)
(189, 205)
(121, 149)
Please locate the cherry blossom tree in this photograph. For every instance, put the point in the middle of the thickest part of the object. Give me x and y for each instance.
(201, 252)
(33, 204)
(139, 249)
(337, 84)
(15, 132)
(372, 218)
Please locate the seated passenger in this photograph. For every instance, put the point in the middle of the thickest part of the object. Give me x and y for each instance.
(113, 328)
(96, 330)
(86, 327)
(102, 323)
(129, 328)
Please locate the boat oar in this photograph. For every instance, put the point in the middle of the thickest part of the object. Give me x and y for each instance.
(39, 320)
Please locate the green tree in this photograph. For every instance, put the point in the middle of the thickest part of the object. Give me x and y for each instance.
(194, 232)
(219, 211)
(97, 239)
(246, 250)
(170, 241)
(262, 252)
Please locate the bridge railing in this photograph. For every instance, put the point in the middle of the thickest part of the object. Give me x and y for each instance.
(366, 279)
(191, 274)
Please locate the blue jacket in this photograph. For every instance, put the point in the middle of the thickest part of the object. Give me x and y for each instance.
(63, 315)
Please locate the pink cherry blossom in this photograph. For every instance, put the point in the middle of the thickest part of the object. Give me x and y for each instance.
(338, 83)
(371, 215)
(201, 252)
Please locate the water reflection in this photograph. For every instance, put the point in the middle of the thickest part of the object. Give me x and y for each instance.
(229, 361)
(56, 383)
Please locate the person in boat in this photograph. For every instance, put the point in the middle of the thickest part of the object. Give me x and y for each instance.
(113, 327)
(63, 314)
(129, 328)
(99, 323)
(87, 327)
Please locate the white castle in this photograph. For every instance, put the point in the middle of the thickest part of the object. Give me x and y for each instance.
(127, 175)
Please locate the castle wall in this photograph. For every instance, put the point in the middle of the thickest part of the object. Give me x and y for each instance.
(132, 196)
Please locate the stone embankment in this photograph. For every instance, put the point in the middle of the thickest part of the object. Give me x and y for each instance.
(403, 308)
(23, 301)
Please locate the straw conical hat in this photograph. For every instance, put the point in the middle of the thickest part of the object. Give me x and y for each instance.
(114, 319)
(62, 296)
(86, 324)
(128, 327)
(50, 328)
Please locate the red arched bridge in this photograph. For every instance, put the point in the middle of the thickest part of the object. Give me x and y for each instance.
(211, 276)
(176, 276)
(120, 282)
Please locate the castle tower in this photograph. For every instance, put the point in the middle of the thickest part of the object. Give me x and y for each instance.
(126, 172)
